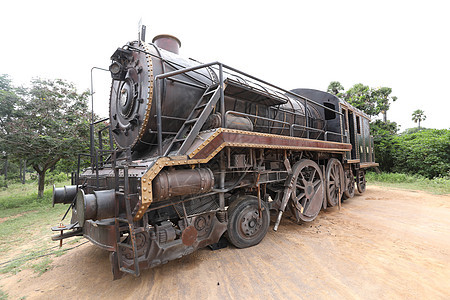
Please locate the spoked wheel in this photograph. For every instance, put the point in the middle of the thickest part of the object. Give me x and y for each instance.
(334, 181)
(361, 181)
(245, 227)
(307, 191)
(349, 184)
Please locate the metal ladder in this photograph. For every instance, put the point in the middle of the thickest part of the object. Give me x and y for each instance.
(128, 221)
(195, 121)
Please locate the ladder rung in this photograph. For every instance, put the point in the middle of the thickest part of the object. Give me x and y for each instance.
(201, 106)
(209, 92)
(191, 121)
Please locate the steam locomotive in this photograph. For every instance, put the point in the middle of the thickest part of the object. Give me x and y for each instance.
(200, 151)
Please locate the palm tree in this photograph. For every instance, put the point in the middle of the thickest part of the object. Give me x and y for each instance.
(418, 115)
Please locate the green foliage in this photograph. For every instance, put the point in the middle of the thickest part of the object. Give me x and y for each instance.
(418, 116)
(426, 152)
(440, 185)
(335, 88)
(420, 152)
(372, 101)
(384, 142)
(48, 123)
(21, 197)
(54, 177)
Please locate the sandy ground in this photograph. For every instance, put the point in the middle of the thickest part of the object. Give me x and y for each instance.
(388, 243)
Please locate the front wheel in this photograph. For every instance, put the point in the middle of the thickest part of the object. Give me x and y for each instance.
(246, 227)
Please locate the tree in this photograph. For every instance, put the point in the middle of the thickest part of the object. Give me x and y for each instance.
(50, 123)
(425, 152)
(418, 115)
(335, 88)
(372, 101)
(8, 101)
(382, 97)
(385, 143)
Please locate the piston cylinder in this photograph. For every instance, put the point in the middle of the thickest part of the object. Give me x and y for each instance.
(97, 206)
(64, 195)
(174, 183)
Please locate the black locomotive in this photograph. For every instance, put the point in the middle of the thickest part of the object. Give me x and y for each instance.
(202, 150)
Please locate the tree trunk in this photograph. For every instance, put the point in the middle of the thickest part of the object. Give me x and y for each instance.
(20, 170)
(41, 184)
(6, 172)
(24, 171)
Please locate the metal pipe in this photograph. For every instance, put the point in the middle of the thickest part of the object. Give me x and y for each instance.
(187, 83)
(222, 95)
(222, 181)
(158, 117)
(253, 116)
(177, 72)
(91, 130)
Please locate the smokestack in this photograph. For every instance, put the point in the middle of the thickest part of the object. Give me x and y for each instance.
(167, 42)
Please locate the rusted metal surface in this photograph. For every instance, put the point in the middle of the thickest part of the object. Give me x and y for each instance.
(174, 183)
(167, 42)
(236, 138)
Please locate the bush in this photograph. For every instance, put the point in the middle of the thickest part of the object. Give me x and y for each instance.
(418, 152)
(2, 182)
(425, 152)
(440, 185)
(52, 178)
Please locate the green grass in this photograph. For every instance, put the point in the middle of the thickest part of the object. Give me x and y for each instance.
(42, 266)
(440, 186)
(3, 295)
(23, 196)
(26, 220)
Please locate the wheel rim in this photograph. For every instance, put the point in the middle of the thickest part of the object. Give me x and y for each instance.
(361, 182)
(307, 191)
(245, 226)
(249, 223)
(350, 187)
(334, 181)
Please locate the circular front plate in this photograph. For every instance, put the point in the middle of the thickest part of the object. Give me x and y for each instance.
(131, 100)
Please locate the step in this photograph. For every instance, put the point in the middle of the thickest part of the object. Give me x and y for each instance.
(209, 92)
(201, 106)
(191, 121)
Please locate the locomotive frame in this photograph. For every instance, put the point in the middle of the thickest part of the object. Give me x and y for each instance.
(244, 149)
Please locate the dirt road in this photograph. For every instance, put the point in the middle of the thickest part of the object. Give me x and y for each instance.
(386, 244)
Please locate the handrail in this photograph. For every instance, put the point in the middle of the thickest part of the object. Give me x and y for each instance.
(221, 66)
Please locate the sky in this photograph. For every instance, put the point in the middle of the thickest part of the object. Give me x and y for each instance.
(404, 45)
